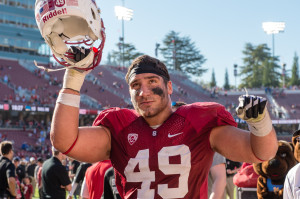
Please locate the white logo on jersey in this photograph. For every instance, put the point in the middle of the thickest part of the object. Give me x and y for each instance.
(132, 138)
(173, 135)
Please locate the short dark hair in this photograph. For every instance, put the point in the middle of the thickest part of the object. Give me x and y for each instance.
(16, 159)
(40, 160)
(147, 60)
(6, 147)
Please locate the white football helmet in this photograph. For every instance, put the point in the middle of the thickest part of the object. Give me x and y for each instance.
(65, 23)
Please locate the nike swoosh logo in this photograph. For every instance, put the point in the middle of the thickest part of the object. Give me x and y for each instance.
(173, 135)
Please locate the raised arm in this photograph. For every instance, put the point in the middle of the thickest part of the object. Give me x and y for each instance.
(258, 145)
(76, 37)
(86, 144)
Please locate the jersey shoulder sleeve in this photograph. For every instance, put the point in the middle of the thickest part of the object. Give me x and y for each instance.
(11, 171)
(115, 118)
(206, 115)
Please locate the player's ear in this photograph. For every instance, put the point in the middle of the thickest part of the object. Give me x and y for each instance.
(169, 87)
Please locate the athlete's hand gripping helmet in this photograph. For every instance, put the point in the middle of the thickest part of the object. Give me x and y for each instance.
(64, 23)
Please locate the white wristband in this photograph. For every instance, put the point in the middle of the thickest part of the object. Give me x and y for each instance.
(261, 128)
(68, 99)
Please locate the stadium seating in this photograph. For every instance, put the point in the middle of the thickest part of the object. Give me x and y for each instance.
(291, 103)
(18, 136)
(6, 91)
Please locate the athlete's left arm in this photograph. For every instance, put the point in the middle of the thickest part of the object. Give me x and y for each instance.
(255, 146)
(242, 146)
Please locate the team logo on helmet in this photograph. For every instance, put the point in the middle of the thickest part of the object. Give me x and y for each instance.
(132, 138)
(59, 3)
(44, 8)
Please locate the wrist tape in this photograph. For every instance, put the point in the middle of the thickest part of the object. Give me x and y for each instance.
(261, 128)
(73, 79)
(68, 99)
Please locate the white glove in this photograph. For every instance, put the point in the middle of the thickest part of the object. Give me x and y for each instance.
(253, 109)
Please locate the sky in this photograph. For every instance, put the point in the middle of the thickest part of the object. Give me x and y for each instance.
(219, 28)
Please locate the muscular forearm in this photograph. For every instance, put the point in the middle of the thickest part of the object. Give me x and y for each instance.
(64, 128)
(263, 142)
(264, 147)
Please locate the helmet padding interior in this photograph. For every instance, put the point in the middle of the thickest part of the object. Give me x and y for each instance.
(69, 28)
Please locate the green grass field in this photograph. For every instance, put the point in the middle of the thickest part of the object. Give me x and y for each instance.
(36, 194)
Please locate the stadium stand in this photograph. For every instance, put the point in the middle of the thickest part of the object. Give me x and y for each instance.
(290, 102)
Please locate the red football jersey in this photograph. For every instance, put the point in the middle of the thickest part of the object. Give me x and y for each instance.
(94, 178)
(171, 161)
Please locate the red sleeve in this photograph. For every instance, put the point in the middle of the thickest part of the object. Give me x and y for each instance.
(224, 117)
(204, 116)
(115, 119)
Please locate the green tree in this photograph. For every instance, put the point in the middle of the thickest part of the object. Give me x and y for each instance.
(270, 75)
(181, 54)
(130, 53)
(110, 60)
(213, 81)
(226, 82)
(254, 65)
(295, 72)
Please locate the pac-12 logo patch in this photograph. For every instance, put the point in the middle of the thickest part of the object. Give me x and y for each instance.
(132, 138)
(59, 3)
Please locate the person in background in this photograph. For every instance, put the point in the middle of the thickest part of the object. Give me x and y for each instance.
(16, 162)
(232, 168)
(73, 168)
(38, 176)
(27, 187)
(30, 171)
(99, 182)
(55, 178)
(78, 179)
(217, 177)
(21, 169)
(7, 171)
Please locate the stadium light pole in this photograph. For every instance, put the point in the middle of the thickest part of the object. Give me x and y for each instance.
(273, 28)
(235, 73)
(123, 14)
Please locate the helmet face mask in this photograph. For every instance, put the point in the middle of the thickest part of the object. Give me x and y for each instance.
(66, 23)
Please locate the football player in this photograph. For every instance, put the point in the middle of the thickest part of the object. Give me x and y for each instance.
(156, 153)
